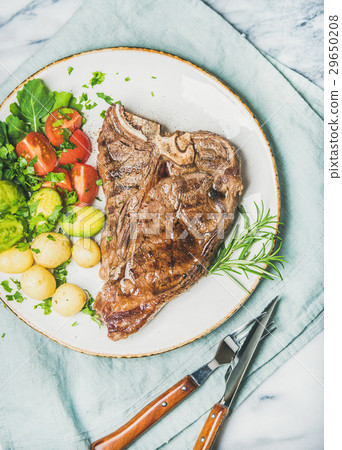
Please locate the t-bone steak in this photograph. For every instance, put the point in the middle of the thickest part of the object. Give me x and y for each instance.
(169, 200)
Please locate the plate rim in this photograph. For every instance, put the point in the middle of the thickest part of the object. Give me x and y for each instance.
(244, 104)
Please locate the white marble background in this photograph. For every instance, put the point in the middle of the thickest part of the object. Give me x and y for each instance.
(286, 412)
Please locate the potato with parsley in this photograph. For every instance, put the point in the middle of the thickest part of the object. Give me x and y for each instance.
(86, 253)
(15, 261)
(38, 283)
(68, 299)
(51, 249)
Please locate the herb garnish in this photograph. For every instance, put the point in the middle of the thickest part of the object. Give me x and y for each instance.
(45, 305)
(236, 257)
(88, 105)
(60, 273)
(152, 93)
(103, 114)
(70, 69)
(74, 324)
(88, 308)
(99, 182)
(35, 250)
(109, 238)
(5, 285)
(106, 98)
(97, 78)
(49, 236)
(55, 177)
(127, 79)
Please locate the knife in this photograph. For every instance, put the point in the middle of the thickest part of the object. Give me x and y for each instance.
(234, 376)
(163, 404)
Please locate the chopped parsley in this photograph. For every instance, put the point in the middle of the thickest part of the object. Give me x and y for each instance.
(154, 77)
(3, 335)
(45, 305)
(60, 273)
(16, 296)
(83, 97)
(74, 324)
(88, 105)
(85, 86)
(49, 236)
(152, 93)
(70, 69)
(17, 283)
(66, 144)
(35, 250)
(127, 79)
(103, 114)
(97, 78)
(106, 98)
(89, 309)
(6, 286)
(55, 177)
(99, 182)
(109, 238)
(98, 198)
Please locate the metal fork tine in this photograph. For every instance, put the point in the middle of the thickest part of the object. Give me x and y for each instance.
(246, 325)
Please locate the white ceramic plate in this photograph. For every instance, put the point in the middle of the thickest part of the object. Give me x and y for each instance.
(181, 96)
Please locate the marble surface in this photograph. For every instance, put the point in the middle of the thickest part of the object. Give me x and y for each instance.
(286, 412)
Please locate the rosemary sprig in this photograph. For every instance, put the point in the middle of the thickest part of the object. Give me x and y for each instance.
(236, 257)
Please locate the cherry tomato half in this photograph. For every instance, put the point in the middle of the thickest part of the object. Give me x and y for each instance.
(36, 144)
(78, 154)
(61, 118)
(64, 184)
(84, 179)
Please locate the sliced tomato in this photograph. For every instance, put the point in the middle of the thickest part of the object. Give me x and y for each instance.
(64, 184)
(61, 118)
(84, 177)
(80, 153)
(36, 144)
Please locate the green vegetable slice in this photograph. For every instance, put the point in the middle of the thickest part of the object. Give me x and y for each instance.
(82, 222)
(11, 231)
(11, 197)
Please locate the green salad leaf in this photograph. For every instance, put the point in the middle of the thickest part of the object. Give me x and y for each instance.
(35, 101)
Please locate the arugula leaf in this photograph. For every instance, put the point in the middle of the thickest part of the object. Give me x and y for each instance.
(106, 98)
(97, 78)
(35, 101)
(74, 105)
(17, 129)
(15, 110)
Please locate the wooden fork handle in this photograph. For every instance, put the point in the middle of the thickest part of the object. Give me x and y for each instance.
(211, 427)
(147, 417)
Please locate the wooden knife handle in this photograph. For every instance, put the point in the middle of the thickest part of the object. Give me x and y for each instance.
(211, 427)
(147, 417)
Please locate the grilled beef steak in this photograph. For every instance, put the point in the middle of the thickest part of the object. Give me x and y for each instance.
(169, 199)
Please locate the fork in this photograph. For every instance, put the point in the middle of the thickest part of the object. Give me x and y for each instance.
(162, 405)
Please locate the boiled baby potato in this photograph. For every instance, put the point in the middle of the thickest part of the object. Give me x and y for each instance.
(86, 253)
(68, 299)
(51, 249)
(38, 283)
(15, 261)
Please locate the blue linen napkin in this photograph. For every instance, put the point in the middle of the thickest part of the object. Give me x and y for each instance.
(54, 398)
